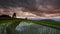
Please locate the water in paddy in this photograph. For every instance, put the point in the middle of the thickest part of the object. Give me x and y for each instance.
(32, 28)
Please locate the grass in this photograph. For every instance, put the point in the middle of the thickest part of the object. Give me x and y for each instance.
(16, 21)
(48, 23)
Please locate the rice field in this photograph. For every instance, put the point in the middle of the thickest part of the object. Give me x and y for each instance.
(13, 23)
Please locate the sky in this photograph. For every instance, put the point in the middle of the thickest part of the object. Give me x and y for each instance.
(30, 8)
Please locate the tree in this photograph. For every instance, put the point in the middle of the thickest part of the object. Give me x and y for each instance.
(14, 15)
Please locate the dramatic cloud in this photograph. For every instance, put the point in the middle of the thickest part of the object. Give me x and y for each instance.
(33, 7)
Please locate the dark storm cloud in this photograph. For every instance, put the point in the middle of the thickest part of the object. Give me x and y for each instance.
(13, 5)
(17, 3)
(54, 3)
(29, 3)
(57, 2)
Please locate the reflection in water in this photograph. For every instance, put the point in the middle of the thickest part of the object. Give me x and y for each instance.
(31, 28)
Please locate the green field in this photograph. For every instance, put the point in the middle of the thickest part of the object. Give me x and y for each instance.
(16, 21)
(48, 23)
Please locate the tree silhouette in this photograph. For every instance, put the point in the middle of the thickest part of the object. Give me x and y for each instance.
(14, 15)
